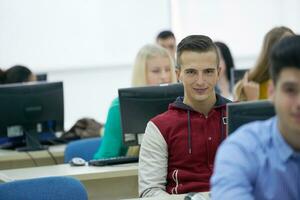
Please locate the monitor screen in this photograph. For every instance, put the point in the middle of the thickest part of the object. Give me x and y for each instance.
(29, 109)
(139, 104)
(236, 75)
(41, 77)
(243, 112)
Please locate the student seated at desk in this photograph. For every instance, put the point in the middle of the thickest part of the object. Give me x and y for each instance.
(261, 160)
(179, 146)
(153, 66)
(255, 83)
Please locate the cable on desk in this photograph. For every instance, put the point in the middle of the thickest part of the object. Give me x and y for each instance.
(33, 160)
(52, 157)
(37, 142)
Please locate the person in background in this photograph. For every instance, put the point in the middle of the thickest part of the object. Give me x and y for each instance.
(226, 64)
(167, 40)
(16, 74)
(179, 145)
(254, 85)
(153, 66)
(261, 160)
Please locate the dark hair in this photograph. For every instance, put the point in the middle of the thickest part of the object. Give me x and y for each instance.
(197, 43)
(285, 54)
(2, 76)
(227, 58)
(15, 74)
(164, 35)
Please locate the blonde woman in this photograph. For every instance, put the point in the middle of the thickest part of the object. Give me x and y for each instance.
(254, 85)
(153, 65)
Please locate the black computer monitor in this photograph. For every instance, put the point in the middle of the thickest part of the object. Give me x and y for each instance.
(236, 75)
(244, 112)
(41, 77)
(29, 109)
(139, 104)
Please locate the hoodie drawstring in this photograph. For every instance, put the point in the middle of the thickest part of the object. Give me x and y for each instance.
(223, 123)
(189, 133)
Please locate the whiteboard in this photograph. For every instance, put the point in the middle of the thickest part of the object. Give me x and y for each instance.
(50, 35)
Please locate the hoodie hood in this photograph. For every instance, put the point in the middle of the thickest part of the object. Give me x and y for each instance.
(178, 103)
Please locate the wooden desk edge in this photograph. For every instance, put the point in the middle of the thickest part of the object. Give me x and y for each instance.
(88, 172)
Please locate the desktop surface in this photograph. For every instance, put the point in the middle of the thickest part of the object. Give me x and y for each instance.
(102, 183)
(11, 159)
(205, 195)
(79, 172)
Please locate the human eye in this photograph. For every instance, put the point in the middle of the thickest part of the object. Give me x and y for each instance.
(156, 71)
(167, 69)
(190, 71)
(209, 71)
(290, 90)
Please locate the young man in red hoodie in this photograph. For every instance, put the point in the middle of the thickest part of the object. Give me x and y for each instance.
(178, 149)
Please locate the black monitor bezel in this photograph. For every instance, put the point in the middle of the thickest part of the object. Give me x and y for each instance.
(48, 95)
(239, 113)
(150, 93)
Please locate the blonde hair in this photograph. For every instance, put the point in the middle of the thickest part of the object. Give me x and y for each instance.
(260, 72)
(139, 68)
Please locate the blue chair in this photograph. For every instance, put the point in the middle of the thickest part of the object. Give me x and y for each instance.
(84, 148)
(48, 188)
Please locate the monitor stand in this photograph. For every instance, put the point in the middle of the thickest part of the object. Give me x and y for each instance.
(32, 142)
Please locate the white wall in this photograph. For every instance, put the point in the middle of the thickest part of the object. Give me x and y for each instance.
(90, 45)
(241, 24)
(89, 92)
(52, 35)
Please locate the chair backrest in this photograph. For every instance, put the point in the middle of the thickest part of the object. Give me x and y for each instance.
(84, 148)
(48, 188)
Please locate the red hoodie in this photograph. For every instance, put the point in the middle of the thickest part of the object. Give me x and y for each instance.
(192, 144)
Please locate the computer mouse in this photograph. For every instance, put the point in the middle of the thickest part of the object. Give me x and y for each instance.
(77, 161)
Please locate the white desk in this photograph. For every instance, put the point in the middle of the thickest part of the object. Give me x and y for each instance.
(110, 182)
(172, 197)
(10, 159)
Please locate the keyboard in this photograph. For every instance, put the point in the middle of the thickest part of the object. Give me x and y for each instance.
(114, 160)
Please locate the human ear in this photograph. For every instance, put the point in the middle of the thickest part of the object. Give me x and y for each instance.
(271, 90)
(218, 72)
(178, 75)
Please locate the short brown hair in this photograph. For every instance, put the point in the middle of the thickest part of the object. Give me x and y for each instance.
(197, 43)
(285, 54)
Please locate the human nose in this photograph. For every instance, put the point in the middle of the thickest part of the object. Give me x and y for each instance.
(298, 102)
(164, 75)
(200, 79)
